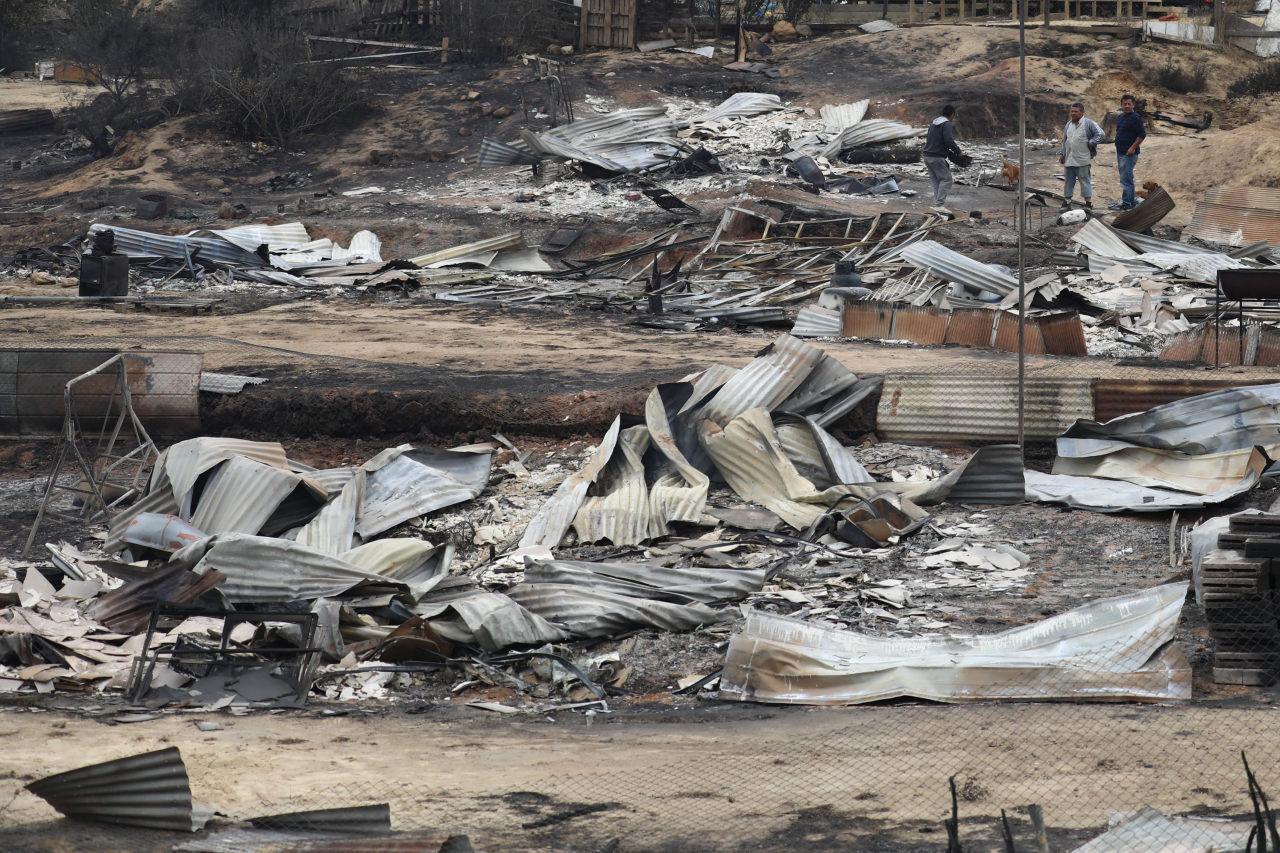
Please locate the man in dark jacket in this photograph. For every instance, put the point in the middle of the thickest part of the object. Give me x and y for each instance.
(940, 144)
(1130, 133)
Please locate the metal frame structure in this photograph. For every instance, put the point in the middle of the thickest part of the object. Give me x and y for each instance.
(228, 656)
(559, 101)
(120, 456)
(1241, 286)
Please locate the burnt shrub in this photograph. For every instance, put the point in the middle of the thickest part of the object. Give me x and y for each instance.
(1178, 78)
(1261, 82)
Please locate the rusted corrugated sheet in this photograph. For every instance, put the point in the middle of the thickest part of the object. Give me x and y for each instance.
(1007, 334)
(1063, 334)
(871, 320)
(813, 321)
(149, 790)
(1184, 346)
(1223, 346)
(1237, 216)
(920, 325)
(1157, 205)
(942, 407)
(1115, 397)
(1268, 347)
(971, 327)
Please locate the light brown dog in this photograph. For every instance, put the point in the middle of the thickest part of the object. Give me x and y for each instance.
(1010, 171)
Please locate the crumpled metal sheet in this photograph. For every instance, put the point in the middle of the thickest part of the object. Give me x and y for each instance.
(769, 379)
(646, 580)
(1117, 649)
(868, 132)
(953, 266)
(1231, 419)
(1162, 469)
(742, 104)
(183, 463)
(374, 819)
(490, 620)
(552, 520)
(416, 563)
(1098, 238)
(262, 570)
(837, 117)
(813, 321)
(815, 453)
(333, 530)
(586, 613)
(150, 790)
(616, 505)
(1118, 496)
(243, 494)
(678, 488)
(203, 246)
(1237, 216)
(405, 483)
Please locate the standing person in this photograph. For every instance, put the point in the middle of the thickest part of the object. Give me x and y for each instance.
(940, 144)
(1080, 138)
(1130, 134)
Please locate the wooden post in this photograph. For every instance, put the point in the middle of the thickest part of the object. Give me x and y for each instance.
(1045, 4)
(719, 7)
(1220, 23)
(740, 54)
(444, 50)
(911, 11)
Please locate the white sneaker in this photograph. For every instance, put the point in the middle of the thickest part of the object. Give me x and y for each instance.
(942, 211)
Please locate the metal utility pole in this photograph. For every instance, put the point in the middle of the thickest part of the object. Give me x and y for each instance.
(1022, 222)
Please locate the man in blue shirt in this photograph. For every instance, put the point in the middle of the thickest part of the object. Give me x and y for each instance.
(1130, 134)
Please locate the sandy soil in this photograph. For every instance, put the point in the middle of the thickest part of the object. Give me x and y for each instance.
(769, 779)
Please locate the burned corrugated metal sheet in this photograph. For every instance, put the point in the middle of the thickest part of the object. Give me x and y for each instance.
(128, 607)
(815, 453)
(261, 570)
(868, 132)
(1114, 398)
(1156, 206)
(333, 530)
(837, 117)
(647, 580)
(971, 327)
(947, 407)
(1006, 337)
(1063, 334)
(616, 506)
(150, 790)
(356, 820)
(1237, 216)
(415, 563)
(871, 320)
(1098, 239)
(827, 379)
(182, 464)
(813, 321)
(552, 520)
(242, 494)
(1155, 468)
(490, 620)
(586, 613)
(953, 266)
(993, 475)
(495, 153)
(25, 121)
(919, 325)
(204, 247)
(1099, 495)
(1229, 419)
(500, 243)
(678, 488)
(769, 379)
(1117, 649)
(406, 483)
(742, 104)
(276, 238)
(1183, 346)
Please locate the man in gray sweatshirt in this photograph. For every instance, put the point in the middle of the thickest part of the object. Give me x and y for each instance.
(939, 145)
(1080, 138)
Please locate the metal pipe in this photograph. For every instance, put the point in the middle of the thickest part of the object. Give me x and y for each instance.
(1022, 222)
